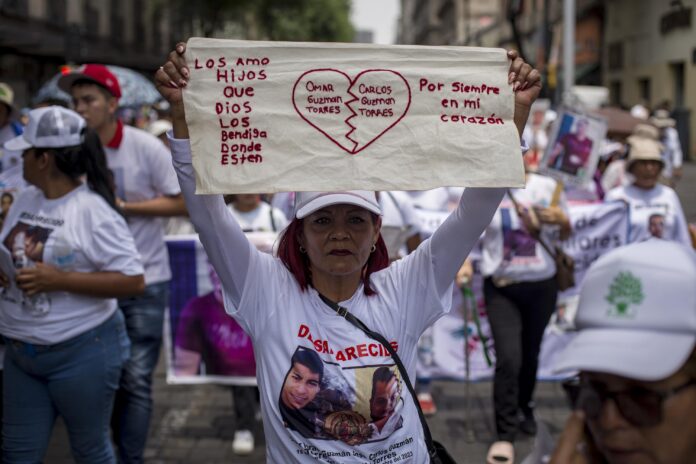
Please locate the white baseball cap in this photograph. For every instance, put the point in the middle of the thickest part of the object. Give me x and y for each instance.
(49, 127)
(308, 202)
(637, 313)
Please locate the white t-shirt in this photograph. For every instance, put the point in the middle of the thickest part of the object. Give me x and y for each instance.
(399, 220)
(77, 232)
(653, 213)
(259, 220)
(508, 251)
(142, 170)
(301, 406)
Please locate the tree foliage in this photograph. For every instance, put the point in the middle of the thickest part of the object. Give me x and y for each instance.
(295, 20)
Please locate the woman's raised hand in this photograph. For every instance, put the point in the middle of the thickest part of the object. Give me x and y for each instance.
(173, 76)
(526, 85)
(170, 79)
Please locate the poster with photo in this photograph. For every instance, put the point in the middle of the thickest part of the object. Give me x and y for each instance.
(204, 343)
(573, 150)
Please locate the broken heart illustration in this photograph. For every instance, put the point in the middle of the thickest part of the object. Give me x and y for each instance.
(352, 113)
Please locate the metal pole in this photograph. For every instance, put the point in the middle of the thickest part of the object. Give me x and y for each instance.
(568, 48)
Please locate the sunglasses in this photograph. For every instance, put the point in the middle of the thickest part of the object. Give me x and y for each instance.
(640, 406)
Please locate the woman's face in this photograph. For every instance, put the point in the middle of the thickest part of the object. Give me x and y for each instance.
(301, 386)
(646, 173)
(338, 239)
(670, 442)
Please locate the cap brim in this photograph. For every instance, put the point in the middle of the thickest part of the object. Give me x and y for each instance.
(66, 81)
(635, 354)
(336, 199)
(18, 143)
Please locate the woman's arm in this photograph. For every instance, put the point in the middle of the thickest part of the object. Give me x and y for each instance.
(454, 239)
(227, 247)
(108, 284)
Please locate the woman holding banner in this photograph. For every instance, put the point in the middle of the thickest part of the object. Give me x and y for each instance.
(332, 251)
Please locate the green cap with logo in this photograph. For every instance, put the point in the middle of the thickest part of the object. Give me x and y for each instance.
(637, 313)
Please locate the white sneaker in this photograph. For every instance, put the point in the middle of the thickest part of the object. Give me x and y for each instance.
(243, 442)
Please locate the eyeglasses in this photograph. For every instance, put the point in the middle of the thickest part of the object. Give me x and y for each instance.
(640, 406)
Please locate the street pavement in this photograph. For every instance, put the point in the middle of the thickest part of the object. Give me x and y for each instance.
(195, 424)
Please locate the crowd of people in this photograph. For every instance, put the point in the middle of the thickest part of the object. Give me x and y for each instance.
(86, 204)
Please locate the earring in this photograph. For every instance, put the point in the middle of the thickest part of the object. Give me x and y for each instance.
(374, 247)
(302, 250)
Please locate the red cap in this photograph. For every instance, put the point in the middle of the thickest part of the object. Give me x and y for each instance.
(97, 73)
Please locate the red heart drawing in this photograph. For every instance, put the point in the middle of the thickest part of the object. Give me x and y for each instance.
(352, 113)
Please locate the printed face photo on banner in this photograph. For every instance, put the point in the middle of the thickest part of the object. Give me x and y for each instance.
(205, 344)
(573, 151)
(354, 405)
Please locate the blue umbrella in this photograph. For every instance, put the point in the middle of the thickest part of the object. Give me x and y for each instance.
(136, 89)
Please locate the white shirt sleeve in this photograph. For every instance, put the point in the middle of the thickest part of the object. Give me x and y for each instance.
(226, 245)
(112, 248)
(162, 174)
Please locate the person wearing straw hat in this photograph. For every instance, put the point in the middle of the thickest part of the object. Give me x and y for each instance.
(672, 152)
(10, 128)
(635, 397)
(647, 198)
(332, 251)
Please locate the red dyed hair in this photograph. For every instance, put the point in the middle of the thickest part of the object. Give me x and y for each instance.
(298, 262)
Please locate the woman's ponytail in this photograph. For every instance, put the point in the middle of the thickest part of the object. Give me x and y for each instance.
(89, 159)
(99, 177)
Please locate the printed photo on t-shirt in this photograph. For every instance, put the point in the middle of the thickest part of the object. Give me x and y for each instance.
(26, 243)
(358, 405)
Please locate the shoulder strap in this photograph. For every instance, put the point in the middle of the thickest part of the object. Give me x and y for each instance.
(273, 224)
(343, 312)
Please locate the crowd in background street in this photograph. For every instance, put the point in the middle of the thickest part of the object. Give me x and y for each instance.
(87, 200)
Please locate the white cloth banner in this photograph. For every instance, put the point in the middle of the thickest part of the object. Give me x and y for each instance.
(284, 116)
(597, 229)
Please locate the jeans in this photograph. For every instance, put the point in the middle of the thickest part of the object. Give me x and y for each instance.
(76, 379)
(518, 315)
(144, 316)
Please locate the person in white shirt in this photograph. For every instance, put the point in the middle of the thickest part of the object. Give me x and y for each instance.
(654, 209)
(520, 290)
(255, 215)
(73, 255)
(147, 193)
(332, 251)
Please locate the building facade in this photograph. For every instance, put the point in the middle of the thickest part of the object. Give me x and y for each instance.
(37, 37)
(650, 57)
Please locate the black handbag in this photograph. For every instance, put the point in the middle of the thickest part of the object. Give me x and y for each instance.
(438, 454)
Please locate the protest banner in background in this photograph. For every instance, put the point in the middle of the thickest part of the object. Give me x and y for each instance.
(203, 343)
(283, 116)
(597, 229)
(573, 150)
